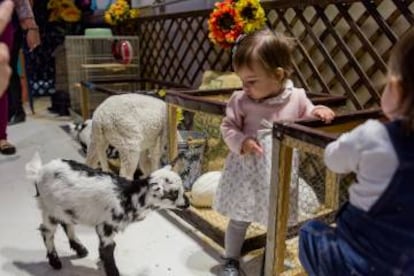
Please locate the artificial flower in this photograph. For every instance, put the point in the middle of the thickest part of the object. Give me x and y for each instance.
(231, 18)
(224, 24)
(63, 11)
(252, 14)
(119, 11)
(71, 14)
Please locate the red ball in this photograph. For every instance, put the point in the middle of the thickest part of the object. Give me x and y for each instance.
(122, 51)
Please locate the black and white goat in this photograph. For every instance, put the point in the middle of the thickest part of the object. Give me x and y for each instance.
(71, 193)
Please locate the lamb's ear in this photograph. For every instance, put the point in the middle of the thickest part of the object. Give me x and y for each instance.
(167, 167)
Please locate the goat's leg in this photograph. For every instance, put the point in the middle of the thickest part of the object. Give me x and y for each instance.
(106, 234)
(74, 242)
(48, 230)
(129, 162)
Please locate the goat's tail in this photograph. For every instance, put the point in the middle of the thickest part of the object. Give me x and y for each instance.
(33, 167)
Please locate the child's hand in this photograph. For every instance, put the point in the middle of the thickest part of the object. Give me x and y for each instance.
(324, 113)
(251, 146)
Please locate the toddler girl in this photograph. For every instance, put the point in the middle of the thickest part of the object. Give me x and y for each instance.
(263, 62)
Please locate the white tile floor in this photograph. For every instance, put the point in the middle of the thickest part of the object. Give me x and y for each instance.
(157, 246)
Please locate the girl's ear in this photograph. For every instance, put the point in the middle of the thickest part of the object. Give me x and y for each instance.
(280, 74)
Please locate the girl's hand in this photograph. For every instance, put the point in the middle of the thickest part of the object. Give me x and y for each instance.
(250, 146)
(324, 113)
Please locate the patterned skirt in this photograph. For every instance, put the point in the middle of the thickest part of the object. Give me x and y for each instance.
(244, 188)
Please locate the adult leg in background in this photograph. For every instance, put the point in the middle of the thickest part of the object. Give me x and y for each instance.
(16, 111)
(5, 146)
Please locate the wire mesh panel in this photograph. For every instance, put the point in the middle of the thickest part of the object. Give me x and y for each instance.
(91, 58)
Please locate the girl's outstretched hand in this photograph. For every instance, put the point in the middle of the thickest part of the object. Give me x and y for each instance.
(324, 113)
(251, 146)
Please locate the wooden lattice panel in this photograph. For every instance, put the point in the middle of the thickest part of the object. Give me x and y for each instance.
(342, 46)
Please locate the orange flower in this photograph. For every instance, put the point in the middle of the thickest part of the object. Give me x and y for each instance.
(224, 24)
(63, 10)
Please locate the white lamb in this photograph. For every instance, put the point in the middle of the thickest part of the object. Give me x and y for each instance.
(136, 125)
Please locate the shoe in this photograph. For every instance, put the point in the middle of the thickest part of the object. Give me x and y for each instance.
(17, 118)
(6, 148)
(231, 268)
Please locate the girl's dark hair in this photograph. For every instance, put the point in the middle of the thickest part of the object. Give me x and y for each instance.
(401, 65)
(266, 48)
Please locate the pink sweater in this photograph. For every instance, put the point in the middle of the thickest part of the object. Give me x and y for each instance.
(244, 115)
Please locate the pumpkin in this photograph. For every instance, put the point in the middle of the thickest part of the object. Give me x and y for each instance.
(204, 189)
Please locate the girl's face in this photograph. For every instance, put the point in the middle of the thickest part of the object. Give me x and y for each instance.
(258, 83)
(390, 99)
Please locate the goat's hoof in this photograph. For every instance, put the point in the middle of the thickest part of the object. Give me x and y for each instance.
(54, 260)
(80, 250)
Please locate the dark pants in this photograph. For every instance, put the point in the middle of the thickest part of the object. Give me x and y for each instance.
(7, 38)
(322, 251)
(15, 88)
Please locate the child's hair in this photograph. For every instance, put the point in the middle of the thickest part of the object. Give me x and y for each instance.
(401, 65)
(267, 48)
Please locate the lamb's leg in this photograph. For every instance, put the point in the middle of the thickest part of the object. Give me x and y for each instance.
(106, 234)
(97, 148)
(102, 157)
(48, 230)
(129, 162)
(145, 163)
(156, 155)
(92, 155)
(74, 242)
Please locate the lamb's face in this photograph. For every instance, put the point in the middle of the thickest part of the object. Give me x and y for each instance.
(167, 190)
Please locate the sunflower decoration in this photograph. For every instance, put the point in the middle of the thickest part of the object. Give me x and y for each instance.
(63, 11)
(231, 18)
(119, 11)
(224, 24)
(252, 14)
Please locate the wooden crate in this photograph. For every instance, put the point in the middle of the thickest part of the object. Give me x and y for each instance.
(212, 103)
